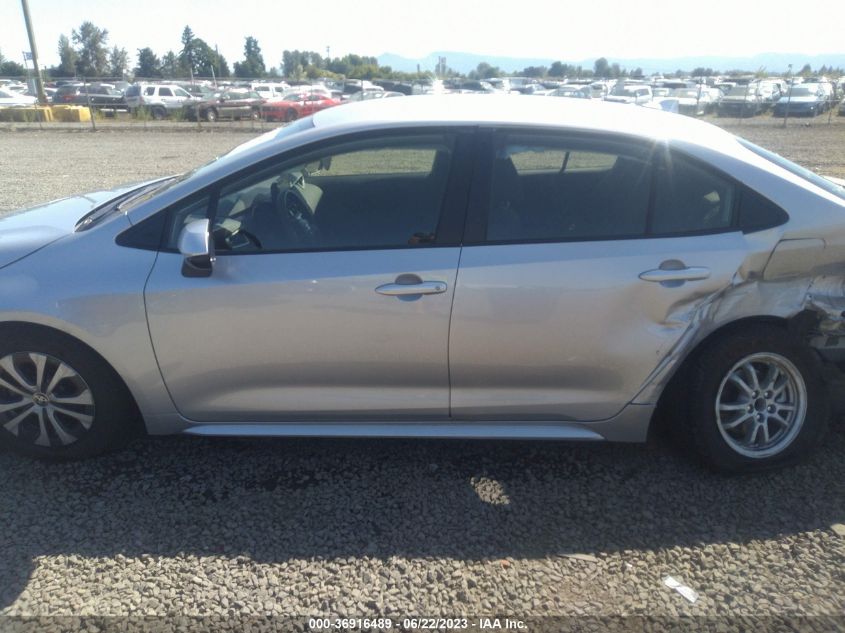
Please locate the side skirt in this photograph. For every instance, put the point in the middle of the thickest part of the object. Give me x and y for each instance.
(630, 425)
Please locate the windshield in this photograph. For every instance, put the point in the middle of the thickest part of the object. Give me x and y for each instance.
(793, 168)
(685, 93)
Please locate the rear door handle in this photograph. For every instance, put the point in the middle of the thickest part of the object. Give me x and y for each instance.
(406, 289)
(662, 275)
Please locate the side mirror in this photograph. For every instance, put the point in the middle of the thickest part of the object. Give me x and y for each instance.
(197, 248)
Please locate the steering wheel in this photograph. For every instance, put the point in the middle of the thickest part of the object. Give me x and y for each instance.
(296, 215)
(226, 238)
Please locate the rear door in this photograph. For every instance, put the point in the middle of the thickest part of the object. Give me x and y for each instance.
(583, 259)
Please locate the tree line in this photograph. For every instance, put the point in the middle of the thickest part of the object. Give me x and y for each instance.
(86, 53)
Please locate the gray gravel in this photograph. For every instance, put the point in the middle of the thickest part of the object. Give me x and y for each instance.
(197, 526)
(38, 166)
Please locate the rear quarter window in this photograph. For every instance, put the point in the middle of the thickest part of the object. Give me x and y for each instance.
(757, 213)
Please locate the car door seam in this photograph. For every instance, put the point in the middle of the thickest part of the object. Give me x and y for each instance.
(449, 331)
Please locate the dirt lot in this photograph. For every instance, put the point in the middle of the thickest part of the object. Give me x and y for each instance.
(813, 143)
(306, 527)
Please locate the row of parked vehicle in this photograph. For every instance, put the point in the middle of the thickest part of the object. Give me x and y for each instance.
(280, 101)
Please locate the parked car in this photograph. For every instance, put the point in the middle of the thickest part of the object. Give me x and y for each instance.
(742, 100)
(366, 95)
(335, 277)
(402, 87)
(198, 90)
(770, 92)
(315, 89)
(802, 100)
(485, 87)
(160, 100)
(297, 105)
(536, 89)
(842, 108)
(270, 91)
(11, 98)
(691, 101)
(573, 92)
(638, 94)
(94, 95)
(231, 104)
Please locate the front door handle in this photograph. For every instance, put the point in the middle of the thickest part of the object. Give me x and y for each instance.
(407, 290)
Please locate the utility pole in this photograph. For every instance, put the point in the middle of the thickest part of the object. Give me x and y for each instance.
(39, 85)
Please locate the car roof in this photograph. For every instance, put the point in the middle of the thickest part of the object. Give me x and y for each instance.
(508, 110)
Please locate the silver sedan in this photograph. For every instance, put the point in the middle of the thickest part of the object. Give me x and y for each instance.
(475, 267)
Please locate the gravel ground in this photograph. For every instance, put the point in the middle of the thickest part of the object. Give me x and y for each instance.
(193, 526)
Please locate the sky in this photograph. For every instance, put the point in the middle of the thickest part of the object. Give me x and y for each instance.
(554, 29)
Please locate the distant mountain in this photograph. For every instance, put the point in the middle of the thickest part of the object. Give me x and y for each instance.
(773, 62)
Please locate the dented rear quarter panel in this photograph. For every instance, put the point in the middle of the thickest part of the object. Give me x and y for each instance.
(786, 270)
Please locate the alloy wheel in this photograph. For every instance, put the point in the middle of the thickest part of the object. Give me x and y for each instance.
(43, 400)
(761, 405)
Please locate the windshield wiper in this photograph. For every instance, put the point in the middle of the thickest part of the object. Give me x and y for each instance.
(116, 204)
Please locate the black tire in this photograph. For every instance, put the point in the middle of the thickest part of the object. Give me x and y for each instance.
(713, 366)
(256, 115)
(291, 115)
(158, 113)
(210, 115)
(115, 419)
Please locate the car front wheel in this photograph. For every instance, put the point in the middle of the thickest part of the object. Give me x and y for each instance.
(757, 400)
(59, 400)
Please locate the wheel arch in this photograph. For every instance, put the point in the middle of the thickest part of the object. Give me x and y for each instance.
(673, 392)
(8, 329)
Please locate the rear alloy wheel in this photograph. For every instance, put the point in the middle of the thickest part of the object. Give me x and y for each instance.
(58, 400)
(757, 400)
(211, 115)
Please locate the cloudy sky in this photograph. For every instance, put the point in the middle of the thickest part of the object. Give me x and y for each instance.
(529, 28)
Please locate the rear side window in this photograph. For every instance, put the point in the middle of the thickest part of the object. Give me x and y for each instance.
(150, 91)
(164, 92)
(690, 198)
(549, 189)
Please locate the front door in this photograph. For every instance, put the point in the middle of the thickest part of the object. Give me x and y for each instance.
(331, 293)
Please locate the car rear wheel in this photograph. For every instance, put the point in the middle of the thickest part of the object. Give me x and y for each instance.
(158, 113)
(211, 115)
(757, 400)
(59, 400)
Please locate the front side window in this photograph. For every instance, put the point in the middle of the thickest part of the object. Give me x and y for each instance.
(379, 193)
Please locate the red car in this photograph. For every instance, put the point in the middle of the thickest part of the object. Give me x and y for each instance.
(297, 104)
